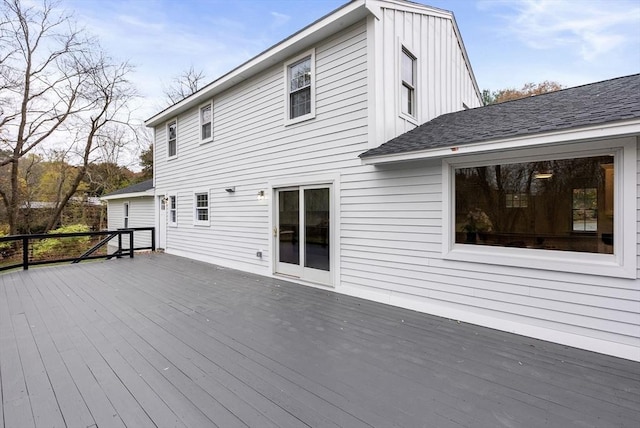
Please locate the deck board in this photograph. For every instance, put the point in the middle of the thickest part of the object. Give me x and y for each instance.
(165, 341)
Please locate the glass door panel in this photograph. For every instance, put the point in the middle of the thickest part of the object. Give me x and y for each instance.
(289, 226)
(316, 228)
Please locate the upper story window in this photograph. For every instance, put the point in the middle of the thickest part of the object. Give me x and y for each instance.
(201, 214)
(206, 122)
(300, 88)
(563, 211)
(408, 87)
(172, 139)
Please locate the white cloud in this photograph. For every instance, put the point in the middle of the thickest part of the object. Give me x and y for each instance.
(591, 28)
(280, 19)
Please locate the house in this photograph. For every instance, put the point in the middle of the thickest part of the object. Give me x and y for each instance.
(131, 207)
(353, 156)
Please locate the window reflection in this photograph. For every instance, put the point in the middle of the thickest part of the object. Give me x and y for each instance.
(564, 204)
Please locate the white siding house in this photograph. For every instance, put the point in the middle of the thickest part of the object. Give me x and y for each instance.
(132, 207)
(309, 163)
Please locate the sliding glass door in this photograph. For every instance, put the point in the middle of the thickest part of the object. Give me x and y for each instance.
(303, 232)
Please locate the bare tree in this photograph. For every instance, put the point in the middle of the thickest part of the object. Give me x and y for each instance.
(186, 83)
(56, 86)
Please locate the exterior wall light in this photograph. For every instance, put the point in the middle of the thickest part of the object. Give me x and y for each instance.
(230, 189)
(261, 195)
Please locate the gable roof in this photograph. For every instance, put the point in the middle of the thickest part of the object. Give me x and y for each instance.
(142, 188)
(351, 12)
(610, 101)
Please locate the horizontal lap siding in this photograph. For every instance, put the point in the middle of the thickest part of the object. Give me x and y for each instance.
(141, 214)
(252, 146)
(392, 252)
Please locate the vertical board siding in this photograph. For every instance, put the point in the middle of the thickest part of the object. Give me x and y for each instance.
(251, 146)
(444, 81)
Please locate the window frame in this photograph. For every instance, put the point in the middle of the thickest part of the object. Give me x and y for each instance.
(196, 221)
(126, 214)
(622, 263)
(413, 115)
(168, 124)
(201, 124)
(287, 93)
(172, 220)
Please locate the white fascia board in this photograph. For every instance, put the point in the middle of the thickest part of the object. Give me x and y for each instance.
(564, 136)
(341, 18)
(149, 192)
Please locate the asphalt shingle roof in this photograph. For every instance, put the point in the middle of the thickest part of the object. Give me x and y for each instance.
(135, 188)
(593, 104)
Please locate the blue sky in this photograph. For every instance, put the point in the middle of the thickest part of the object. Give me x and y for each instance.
(509, 42)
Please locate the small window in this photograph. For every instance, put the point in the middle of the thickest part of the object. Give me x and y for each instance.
(172, 139)
(202, 208)
(125, 215)
(173, 210)
(206, 122)
(408, 87)
(300, 89)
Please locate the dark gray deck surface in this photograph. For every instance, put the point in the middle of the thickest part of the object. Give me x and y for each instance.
(164, 341)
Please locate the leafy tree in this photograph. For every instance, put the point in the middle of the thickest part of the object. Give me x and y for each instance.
(146, 161)
(527, 90)
(56, 87)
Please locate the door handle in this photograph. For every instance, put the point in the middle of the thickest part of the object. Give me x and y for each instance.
(275, 231)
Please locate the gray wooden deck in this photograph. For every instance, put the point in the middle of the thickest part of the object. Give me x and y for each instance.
(164, 341)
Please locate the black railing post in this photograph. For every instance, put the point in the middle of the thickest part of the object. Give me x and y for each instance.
(130, 243)
(119, 244)
(25, 252)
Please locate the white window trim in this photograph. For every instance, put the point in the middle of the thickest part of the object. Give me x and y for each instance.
(413, 118)
(168, 209)
(205, 140)
(166, 130)
(126, 214)
(287, 99)
(620, 264)
(197, 222)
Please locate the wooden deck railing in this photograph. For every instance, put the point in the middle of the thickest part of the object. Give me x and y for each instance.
(18, 251)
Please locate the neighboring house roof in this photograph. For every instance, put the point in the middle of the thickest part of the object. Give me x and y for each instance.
(91, 200)
(144, 188)
(342, 17)
(610, 101)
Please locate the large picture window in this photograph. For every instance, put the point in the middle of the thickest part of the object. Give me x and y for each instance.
(562, 204)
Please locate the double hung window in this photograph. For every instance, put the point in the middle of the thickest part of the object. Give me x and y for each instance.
(172, 139)
(408, 86)
(300, 82)
(201, 214)
(206, 123)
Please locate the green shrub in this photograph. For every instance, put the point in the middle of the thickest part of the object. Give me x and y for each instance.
(62, 247)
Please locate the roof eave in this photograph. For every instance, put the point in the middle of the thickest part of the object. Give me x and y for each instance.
(608, 130)
(346, 15)
(149, 192)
